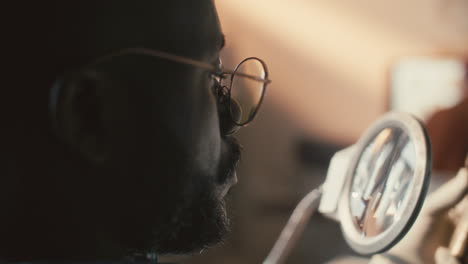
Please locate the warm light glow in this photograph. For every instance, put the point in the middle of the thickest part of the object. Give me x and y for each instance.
(329, 60)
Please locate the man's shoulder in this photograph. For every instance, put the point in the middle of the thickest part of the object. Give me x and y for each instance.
(86, 262)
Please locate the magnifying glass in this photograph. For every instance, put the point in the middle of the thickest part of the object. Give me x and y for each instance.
(374, 188)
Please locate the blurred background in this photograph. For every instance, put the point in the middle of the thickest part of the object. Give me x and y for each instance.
(336, 66)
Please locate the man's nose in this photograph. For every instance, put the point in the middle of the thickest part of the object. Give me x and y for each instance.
(236, 111)
(230, 116)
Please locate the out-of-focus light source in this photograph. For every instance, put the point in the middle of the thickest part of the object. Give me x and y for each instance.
(328, 59)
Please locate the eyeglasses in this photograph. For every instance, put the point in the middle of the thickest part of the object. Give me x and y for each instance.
(243, 91)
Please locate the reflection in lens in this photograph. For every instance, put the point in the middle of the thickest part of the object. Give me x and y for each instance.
(381, 181)
(247, 92)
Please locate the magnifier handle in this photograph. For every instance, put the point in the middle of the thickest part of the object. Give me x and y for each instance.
(294, 228)
(459, 242)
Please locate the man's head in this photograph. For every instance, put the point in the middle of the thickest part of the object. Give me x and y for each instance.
(129, 153)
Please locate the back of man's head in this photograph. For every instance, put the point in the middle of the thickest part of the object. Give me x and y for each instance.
(52, 190)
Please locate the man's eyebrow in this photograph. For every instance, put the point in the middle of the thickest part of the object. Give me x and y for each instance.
(222, 40)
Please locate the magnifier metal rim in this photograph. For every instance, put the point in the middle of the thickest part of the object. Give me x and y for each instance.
(382, 242)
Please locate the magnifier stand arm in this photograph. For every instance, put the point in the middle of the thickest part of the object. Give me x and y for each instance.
(291, 232)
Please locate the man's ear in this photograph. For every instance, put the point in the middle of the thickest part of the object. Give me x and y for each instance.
(78, 105)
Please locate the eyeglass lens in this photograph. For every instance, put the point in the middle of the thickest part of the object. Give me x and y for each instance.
(246, 93)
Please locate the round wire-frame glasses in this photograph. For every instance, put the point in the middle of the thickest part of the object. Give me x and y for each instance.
(245, 89)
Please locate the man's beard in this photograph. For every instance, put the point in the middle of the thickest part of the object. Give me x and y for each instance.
(196, 224)
(198, 218)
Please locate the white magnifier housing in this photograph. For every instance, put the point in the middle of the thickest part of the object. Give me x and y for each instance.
(374, 188)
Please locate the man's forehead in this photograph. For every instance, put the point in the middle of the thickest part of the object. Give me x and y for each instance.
(197, 25)
(181, 25)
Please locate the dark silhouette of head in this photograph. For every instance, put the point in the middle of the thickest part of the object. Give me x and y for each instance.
(132, 152)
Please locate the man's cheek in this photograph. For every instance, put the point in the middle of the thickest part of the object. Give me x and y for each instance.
(209, 150)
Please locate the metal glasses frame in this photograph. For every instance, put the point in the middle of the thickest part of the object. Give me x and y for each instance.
(265, 81)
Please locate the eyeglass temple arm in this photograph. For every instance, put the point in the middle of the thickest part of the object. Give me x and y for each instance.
(160, 54)
(180, 59)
